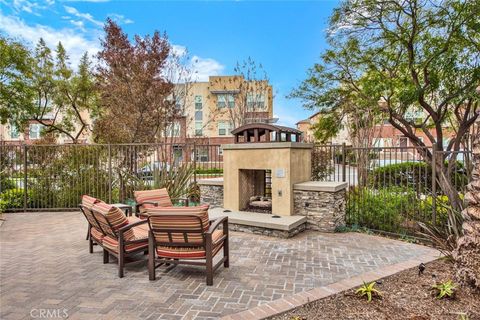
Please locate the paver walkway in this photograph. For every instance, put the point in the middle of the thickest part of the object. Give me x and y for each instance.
(45, 264)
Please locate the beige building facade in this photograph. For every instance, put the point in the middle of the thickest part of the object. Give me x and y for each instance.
(207, 112)
(33, 131)
(307, 128)
(210, 110)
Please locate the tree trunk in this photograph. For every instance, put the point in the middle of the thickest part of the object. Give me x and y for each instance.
(467, 254)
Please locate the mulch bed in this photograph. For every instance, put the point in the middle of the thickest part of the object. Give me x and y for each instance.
(405, 295)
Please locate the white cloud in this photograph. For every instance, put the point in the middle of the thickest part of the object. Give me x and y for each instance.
(120, 18)
(75, 44)
(32, 7)
(179, 50)
(79, 24)
(79, 39)
(204, 67)
(87, 16)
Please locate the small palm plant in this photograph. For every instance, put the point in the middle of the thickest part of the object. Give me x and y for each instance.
(445, 289)
(368, 290)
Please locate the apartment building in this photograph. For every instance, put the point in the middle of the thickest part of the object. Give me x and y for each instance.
(207, 112)
(385, 134)
(32, 131)
(306, 126)
(210, 110)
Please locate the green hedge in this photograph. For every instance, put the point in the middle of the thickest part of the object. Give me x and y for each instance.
(412, 174)
(208, 171)
(384, 209)
(11, 199)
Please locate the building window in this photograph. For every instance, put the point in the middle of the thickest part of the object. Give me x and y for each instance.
(177, 153)
(14, 133)
(403, 142)
(198, 128)
(202, 154)
(173, 129)
(224, 128)
(179, 103)
(198, 103)
(224, 100)
(255, 101)
(35, 130)
(198, 115)
(220, 151)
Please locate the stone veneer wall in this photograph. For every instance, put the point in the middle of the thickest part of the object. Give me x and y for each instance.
(266, 231)
(325, 210)
(323, 203)
(212, 194)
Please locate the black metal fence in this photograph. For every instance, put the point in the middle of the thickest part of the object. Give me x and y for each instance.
(390, 189)
(46, 177)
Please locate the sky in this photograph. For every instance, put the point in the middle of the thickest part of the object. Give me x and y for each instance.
(286, 37)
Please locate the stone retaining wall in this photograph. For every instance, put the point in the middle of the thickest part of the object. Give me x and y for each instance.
(211, 193)
(325, 211)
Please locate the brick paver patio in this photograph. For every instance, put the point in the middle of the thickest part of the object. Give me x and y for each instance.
(45, 264)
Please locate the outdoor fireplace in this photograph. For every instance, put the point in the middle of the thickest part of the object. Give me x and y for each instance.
(262, 167)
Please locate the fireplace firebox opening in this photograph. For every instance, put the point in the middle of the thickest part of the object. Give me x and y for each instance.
(256, 190)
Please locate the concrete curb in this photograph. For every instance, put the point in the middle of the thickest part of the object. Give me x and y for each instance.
(285, 304)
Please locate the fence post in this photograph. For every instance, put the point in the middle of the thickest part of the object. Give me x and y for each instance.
(195, 162)
(109, 173)
(344, 167)
(434, 184)
(25, 178)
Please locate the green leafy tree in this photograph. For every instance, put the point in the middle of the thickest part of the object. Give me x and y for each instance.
(414, 57)
(64, 98)
(16, 94)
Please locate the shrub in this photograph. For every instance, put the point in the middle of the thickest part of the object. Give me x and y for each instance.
(6, 183)
(444, 236)
(383, 209)
(445, 289)
(208, 171)
(413, 174)
(368, 290)
(442, 208)
(11, 199)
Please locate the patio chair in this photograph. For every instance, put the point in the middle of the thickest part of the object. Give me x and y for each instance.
(122, 237)
(184, 235)
(94, 231)
(147, 199)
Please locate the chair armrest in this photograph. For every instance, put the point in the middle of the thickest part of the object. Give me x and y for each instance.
(214, 225)
(155, 203)
(131, 225)
(139, 204)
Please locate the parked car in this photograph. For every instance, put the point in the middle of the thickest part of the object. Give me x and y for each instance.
(148, 170)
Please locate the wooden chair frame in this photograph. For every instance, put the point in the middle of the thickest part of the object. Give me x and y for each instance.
(92, 223)
(208, 245)
(119, 235)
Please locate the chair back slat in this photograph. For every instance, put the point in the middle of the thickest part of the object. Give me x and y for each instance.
(177, 230)
(90, 218)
